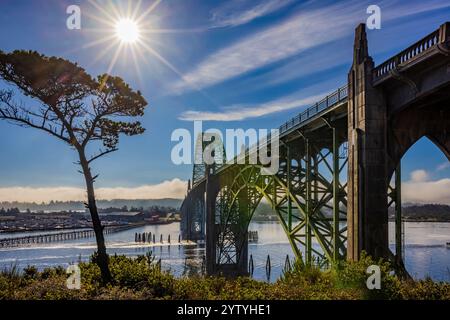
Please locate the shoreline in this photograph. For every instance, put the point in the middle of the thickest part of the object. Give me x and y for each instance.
(127, 226)
(144, 224)
(44, 229)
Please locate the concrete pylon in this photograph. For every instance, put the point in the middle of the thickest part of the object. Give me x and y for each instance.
(210, 250)
(367, 212)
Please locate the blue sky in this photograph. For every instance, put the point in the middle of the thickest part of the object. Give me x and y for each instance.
(233, 64)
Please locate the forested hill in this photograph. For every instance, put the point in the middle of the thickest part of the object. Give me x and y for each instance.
(410, 212)
(425, 212)
(102, 204)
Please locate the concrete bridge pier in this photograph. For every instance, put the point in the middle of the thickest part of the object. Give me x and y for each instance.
(210, 250)
(367, 215)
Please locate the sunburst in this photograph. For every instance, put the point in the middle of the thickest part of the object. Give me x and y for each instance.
(122, 27)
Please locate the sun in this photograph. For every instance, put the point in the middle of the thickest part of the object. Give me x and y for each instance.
(127, 30)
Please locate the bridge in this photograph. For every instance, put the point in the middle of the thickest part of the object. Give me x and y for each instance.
(339, 164)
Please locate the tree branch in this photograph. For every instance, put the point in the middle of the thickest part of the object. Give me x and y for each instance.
(101, 154)
(12, 114)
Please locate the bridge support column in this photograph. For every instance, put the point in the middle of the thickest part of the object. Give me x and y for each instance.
(336, 198)
(227, 218)
(193, 216)
(308, 204)
(210, 250)
(367, 215)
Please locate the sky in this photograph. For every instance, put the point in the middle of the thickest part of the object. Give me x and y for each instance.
(233, 64)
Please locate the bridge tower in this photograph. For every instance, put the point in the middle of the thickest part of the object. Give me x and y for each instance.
(193, 217)
(367, 215)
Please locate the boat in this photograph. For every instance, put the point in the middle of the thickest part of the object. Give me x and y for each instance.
(448, 245)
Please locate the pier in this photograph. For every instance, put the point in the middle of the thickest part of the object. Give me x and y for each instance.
(57, 237)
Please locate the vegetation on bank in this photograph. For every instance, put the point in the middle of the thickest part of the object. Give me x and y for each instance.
(56, 206)
(141, 278)
(410, 212)
(425, 212)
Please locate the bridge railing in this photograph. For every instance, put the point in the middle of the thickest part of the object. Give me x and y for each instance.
(406, 55)
(332, 99)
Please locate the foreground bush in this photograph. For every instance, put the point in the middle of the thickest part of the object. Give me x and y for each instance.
(141, 278)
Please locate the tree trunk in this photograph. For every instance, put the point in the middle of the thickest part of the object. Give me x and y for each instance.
(102, 256)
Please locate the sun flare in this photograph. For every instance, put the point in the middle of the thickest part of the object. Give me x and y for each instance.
(127, 30)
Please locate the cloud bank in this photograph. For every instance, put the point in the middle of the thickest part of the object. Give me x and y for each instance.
(175, 188)
(420, 189)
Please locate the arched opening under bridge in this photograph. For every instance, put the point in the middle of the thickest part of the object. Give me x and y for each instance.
(425, 211)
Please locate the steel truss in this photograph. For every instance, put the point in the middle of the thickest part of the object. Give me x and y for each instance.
(395, 199)
(306, 194)
(193, 218)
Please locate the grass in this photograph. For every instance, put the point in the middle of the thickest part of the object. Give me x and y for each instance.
(142, 278)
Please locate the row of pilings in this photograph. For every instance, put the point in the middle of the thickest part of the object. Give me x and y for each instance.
(268, 268)
(148, 237)
(52, 237)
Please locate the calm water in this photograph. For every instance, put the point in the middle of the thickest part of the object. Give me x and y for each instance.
(425, 250)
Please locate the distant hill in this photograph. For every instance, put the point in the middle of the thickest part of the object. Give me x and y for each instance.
(410, 212)
(264, 212)
(102, 204)
(424, 212)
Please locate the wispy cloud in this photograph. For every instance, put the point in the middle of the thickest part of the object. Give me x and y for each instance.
(175, 188)
(242, 112)
(300, 99)
(238, 12)
(303, 66)
(298, 33)
(443, 166)
(306, 29)
(411, 8)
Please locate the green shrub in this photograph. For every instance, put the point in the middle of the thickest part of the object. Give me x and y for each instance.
(424, 290)
(12, 273)
(48, 273)
(30, 272)
(142, 278)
